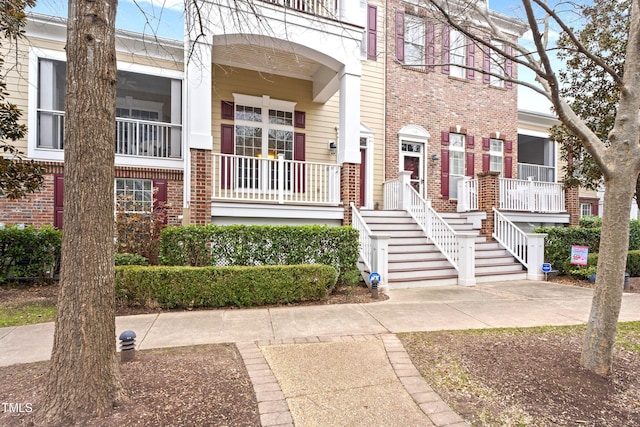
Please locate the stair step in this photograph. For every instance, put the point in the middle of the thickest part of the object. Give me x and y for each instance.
(415, 255)
(419, 265)
(499, 268)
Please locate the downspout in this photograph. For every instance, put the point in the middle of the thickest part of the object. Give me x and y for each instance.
(186, 178)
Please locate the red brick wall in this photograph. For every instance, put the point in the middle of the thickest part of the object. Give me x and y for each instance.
(349, 189)
(37, 209)
(201, 191)
(438, 102)
(488, 198)
(572, 204)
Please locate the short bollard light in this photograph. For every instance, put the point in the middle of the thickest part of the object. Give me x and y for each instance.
(127, 346)
(374, 289)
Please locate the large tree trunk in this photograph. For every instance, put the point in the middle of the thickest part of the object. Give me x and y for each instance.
(84, 379)
(612, 257)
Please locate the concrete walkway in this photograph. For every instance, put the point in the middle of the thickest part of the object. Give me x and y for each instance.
(342, 364)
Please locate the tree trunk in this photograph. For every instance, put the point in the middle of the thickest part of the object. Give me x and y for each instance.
(612, 257)
(84, 379)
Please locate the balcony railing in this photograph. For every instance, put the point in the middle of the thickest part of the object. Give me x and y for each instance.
(325, 8)
(537, 172)
(531, 196)
(253, 179)
(132, 137)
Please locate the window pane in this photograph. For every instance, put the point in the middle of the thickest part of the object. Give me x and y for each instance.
(413, 40)
(134, 195)
(253, 114)
(249, 141)
(456, 140)
(457, 53)
(281, 142)
(281, 117)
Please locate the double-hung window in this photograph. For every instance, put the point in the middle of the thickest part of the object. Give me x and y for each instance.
(456, 162)
(134, 195)
(457, 54)
(496, 162)
(414, 40)
(497, 66)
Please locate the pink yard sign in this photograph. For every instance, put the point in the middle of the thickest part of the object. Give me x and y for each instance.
(579, 255)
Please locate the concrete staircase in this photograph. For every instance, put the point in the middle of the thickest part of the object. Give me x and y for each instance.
(415, 262)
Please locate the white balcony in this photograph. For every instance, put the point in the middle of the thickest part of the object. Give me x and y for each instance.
(537, 172)
(323, 8)
(531, 196)
(276, 181)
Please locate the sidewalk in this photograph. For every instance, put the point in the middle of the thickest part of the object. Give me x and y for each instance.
(359, 335)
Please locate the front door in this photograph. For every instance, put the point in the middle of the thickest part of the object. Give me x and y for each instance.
(412, 162)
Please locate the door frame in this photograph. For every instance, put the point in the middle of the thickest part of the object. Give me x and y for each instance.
(415, 134)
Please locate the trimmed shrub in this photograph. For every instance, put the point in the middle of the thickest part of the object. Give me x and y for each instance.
(243, 245)
(633, 263)
(187, 287)
(131, 259)
(591, 222)
(29, 253)
(559, 240)
(583, 272)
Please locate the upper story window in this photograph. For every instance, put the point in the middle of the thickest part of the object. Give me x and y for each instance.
(497, 66)
(457, 53)
(496, 150)
(414, 40)
(148, 112)
(456, 162)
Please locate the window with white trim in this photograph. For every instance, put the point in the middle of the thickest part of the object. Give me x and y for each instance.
(134, 195)
(497, 66)
(414, 40)
(456, 162)
(585, 209)
(457, 53)
(496, 155)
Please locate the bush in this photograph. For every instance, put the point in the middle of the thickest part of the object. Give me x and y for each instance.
(242, 245)
(559, 240)
(139, 233)
(186, 287)
(583, 272)
(131, 259)
(591, 222)
(29, 253)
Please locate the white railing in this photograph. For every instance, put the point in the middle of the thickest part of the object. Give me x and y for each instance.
(325, 8)
(132, 137)
(392, 194)
(435, 228)
(538, 172)
(467, 195)
(366, 252)
(531, 196)
(278, 180)
(510, 237)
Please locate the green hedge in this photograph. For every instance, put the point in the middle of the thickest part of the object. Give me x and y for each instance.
(583, 272)
(186, 287)
(559, 240)
(237, 245)
(29, 252)
(130, 259)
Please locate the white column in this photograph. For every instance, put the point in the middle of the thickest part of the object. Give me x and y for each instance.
(404, 177)
(380, 261)
(349, 129)
(535, 255)
(198, 95)
(466, 258)
(175, 149)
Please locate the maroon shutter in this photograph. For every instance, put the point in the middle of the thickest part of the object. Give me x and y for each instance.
(508, 66)
(470, 142)
(444, 175)
(594, 209)
(444, 137)
(226, 147)
(486, 162)
(508, 146)
(471, 59)
(470, 166)
(445, 48)
(400, 35)
(486, 61)
(299, 119)
(486, 144)
(58, 195)
(299, 147)
(508, 166)
(160, 198)
(372, 32)
(226, 110)
(430, 45)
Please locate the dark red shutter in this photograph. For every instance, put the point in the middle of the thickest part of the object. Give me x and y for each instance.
(299, 147)
(508, 146)
(508, 66)
(470, 166)
(160, 198)
(471, 59)
(430, 45)
(400, 35)
(444, 174)
(486, 144)
(486, 162)
(444, 137)
(58, 197)
(470, 142)
(594, 209)
(445, 48)
(299, 119)
(508, 166)
(227, 110)
(227, 146)
(486, 61)
(372, 32)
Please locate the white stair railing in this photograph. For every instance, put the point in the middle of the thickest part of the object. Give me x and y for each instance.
(365, 234)
(467, 195)
(510, 237)
(374, 248)
(391, 194)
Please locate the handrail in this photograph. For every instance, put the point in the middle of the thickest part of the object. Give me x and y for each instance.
(365, 234)
(435, 228)
(391, 192)
(514, 240)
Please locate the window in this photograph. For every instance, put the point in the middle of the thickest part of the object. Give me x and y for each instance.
(414, 39)
(585, 209)
(456, 162)
(497, 67)
(496, 156)
(51, 88)
(457, 53)
(134, 195)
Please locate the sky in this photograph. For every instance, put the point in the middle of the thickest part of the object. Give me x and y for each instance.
(164, 18)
